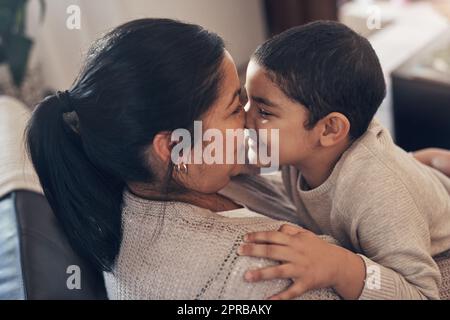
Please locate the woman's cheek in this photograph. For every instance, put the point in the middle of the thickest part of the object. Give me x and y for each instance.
(218, 177)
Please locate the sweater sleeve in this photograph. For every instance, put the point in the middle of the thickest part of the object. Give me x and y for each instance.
(394, 241)
(262, 194)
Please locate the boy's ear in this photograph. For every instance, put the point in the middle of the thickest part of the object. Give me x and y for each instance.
(335, 129)
(162, 145)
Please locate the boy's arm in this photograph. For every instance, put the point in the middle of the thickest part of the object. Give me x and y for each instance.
(237, 288)
(395, 239)
(393, 236)
(262, 194)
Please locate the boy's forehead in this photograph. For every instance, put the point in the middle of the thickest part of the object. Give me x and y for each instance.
(254, 70)
(259, 83)
(257, 77)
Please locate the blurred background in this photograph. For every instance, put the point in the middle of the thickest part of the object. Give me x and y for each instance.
(41, 52)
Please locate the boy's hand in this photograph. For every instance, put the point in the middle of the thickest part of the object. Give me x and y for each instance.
(309, 261)
(436, 158)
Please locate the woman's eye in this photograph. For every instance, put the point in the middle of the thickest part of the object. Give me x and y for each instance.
(238, 109)
(263, 112)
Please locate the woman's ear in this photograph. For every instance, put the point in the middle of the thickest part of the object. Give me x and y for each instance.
(335, 129)
(162, 145)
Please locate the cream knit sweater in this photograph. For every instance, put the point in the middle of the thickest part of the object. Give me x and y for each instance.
(179, 251)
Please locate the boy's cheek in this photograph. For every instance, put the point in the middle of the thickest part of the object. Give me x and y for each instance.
(291, 150)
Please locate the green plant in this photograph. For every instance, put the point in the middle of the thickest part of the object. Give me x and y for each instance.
(15, 46)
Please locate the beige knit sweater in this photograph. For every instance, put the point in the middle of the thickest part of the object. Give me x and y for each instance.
(382, 203)
(179, 251)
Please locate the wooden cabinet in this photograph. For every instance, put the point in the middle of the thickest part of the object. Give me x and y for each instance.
(285, 14)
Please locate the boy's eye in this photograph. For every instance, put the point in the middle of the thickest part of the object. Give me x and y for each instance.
(263, 112)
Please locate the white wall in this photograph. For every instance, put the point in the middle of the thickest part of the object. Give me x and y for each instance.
(60, 50)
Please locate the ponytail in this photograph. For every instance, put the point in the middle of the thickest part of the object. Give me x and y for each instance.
(85, 199)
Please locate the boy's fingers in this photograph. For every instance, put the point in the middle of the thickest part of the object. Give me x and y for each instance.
(274, 237)
(274, 252)
(284, 271)
(441, 163)
(294, 291)
(290, 229)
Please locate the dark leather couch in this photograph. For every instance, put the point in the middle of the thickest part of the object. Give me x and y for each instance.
(35, 256)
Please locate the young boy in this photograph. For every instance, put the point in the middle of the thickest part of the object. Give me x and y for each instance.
(321, 85)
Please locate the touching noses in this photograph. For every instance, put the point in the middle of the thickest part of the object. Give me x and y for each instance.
(249, 122)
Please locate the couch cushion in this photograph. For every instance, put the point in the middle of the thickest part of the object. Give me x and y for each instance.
(38, 262)
(16, 170)
(11, 284)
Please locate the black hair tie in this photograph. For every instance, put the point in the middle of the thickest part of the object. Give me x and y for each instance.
(66, 103)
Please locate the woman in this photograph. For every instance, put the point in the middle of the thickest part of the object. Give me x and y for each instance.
(102, 151)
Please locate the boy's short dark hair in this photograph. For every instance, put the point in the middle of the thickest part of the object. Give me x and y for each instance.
(327, 67)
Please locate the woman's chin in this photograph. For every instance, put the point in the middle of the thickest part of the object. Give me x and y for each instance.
(237, 170)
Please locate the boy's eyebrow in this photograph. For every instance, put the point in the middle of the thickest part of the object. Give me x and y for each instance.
(265, 101)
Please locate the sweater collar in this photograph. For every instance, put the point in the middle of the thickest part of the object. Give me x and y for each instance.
(138, 205)
(374, 130)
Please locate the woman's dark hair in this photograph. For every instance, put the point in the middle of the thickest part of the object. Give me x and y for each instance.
(327, 67)
(144, 77)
